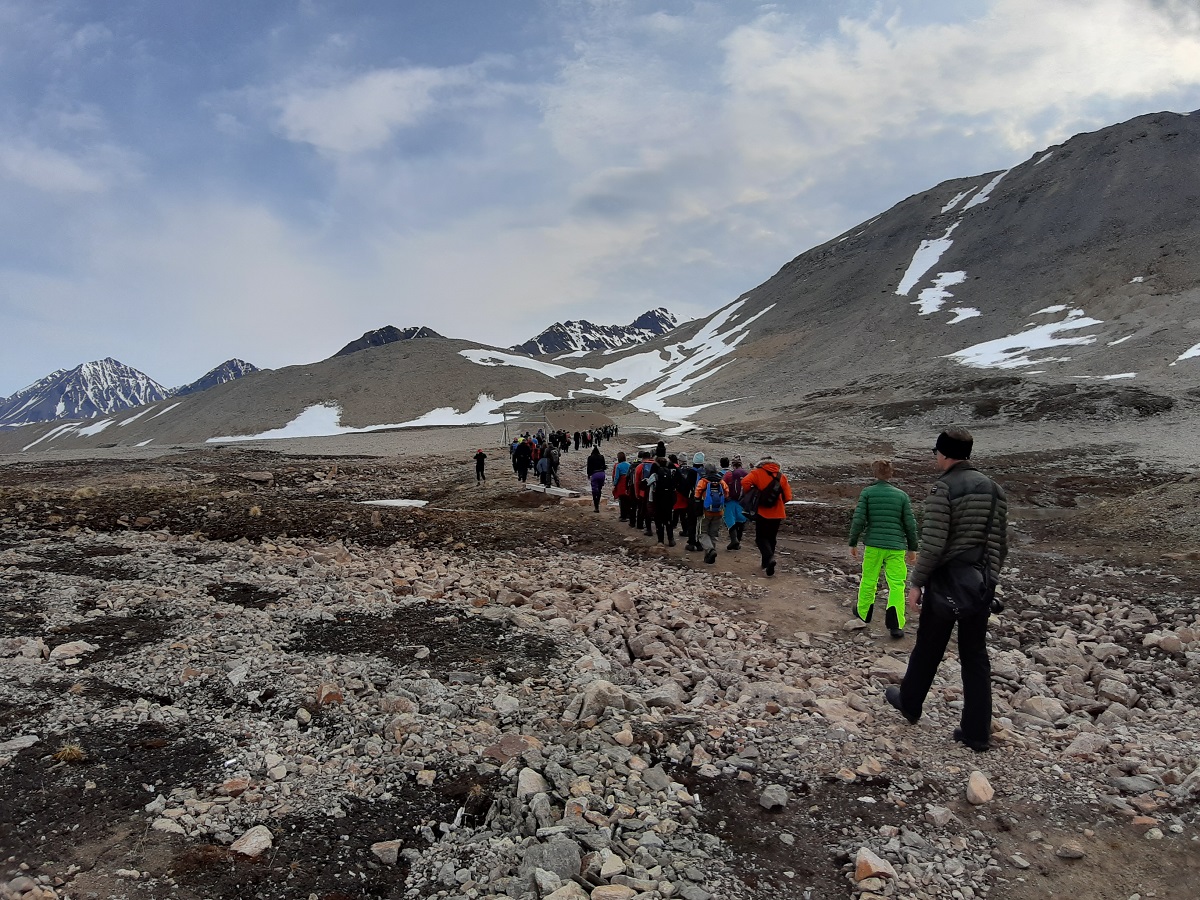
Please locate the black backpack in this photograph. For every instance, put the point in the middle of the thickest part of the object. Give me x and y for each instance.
(753, 497)
(664, 483)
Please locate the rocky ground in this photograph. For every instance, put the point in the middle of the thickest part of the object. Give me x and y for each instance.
(224, 677)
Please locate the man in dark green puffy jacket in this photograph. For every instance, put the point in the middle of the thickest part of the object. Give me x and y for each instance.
(884, 520)
(964, 541)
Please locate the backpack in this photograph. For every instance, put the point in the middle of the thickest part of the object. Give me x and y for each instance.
(664, 483)
(753, 497)
(685, 482)
(714, 496)
(735, 486)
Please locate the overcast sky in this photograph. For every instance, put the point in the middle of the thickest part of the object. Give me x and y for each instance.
(183, 181)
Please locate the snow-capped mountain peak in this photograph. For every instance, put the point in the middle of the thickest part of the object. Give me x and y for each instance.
(89, 390)
(229, 370)
(581, 335)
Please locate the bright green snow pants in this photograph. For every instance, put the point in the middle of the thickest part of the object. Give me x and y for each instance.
(894, 570)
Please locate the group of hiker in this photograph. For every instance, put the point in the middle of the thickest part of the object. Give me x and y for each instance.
(660, 493)
(956, 553)
(542, 452)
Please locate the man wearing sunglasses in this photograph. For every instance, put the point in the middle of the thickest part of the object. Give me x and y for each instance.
(964, 541)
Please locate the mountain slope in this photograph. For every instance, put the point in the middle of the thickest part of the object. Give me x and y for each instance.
(583, 336)
(89, 390)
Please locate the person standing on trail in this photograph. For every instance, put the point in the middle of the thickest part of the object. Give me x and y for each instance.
(689, 477)
(522, 457)
(884, 520)
(713, 493)
(622, 488)
(595, 462)
(544, 470)
(479, 458)
(578, 436)
(765, 491)
(662, 500)
(735, 516)
(964, 542)
(596, 479)
(555, 461)
(641, 492)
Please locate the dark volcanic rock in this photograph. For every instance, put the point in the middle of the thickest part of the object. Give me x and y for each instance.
(389, 334)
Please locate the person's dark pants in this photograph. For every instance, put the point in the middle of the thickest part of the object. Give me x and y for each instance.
(479, 476)
(554, 472)
(628, 513)
(663, 526)
(546, 479)
(596, 500)
(522, 472)
(766, 533)
(688, 519)
(933, 635)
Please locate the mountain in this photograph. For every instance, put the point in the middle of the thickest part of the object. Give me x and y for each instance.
(229, 370)
(387, 335)
(583, 336)
(1063, 289)
(89, 390)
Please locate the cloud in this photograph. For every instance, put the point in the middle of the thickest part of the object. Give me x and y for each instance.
(362, 113)
(47, 169)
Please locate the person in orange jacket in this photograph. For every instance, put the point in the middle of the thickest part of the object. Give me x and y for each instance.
(773, 491)
(713, 505)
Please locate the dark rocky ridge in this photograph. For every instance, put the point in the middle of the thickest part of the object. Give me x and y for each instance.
(229, 370)
(581, 335)
(387, 335)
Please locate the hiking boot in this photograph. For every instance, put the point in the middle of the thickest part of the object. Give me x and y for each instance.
(771, 569)
(648, 533)
(733, 545)
(896, 633)
(670, 542)
(892, 696)
(692, 547)
(710, 557)
(978, 747)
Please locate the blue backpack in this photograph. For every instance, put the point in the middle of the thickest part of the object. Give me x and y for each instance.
(714, 496)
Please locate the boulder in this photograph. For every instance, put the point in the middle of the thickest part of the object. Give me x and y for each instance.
(979, 789)
(869, 865)
(253, 843)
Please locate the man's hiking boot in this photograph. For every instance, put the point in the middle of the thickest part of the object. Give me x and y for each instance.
(892, 696)
(893, 623)
(710, 557)
(896, 633)
(771, 569)
(974, 745)
(670, 542)
(733, 545)
(692, 547)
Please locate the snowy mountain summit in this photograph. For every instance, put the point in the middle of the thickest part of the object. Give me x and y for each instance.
(576, 336)
(229, 370)
(89, 390)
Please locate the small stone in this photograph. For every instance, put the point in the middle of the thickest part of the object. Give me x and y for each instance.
(624, 737)
(939, 815)
(979, 789)
(426, 777)
(775, 796)
(506, 705)
(253, 843)
(329, 693)
(233, 787)
(530, 782)
(1154, 834)
(170, 826)
(569, 891)
(613, 892)
(303, 716)
(387, 851)
(1070, 850)
(869, 865)
(71, 650)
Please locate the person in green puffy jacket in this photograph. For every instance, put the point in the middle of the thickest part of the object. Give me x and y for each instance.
(884, 520)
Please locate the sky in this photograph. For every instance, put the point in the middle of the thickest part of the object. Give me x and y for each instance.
(188, 181)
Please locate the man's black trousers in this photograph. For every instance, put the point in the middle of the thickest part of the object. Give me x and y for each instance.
(766, 533)
(933, 635)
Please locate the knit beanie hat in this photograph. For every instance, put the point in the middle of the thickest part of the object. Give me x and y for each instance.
(698, 459)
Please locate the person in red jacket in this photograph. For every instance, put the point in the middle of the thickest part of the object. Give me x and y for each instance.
(773, 492)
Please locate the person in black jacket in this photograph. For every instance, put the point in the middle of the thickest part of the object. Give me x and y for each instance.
(964, 541)
(479, 458)
(595, 462)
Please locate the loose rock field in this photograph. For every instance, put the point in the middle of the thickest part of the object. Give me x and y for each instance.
(220, 686)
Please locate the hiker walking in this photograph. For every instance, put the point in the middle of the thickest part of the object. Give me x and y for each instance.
(735, 516)
(641, 472)
(884, 520)
(689, 477)
(712, 492)
(522, 457)
(964, 541)
(622, 489)
(479, 458)
(596, 479)
(662, 500)
(765, 490)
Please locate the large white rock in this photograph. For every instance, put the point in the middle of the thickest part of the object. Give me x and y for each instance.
(530, 782)
(979, 789)
(253, 843)
(71, 650)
